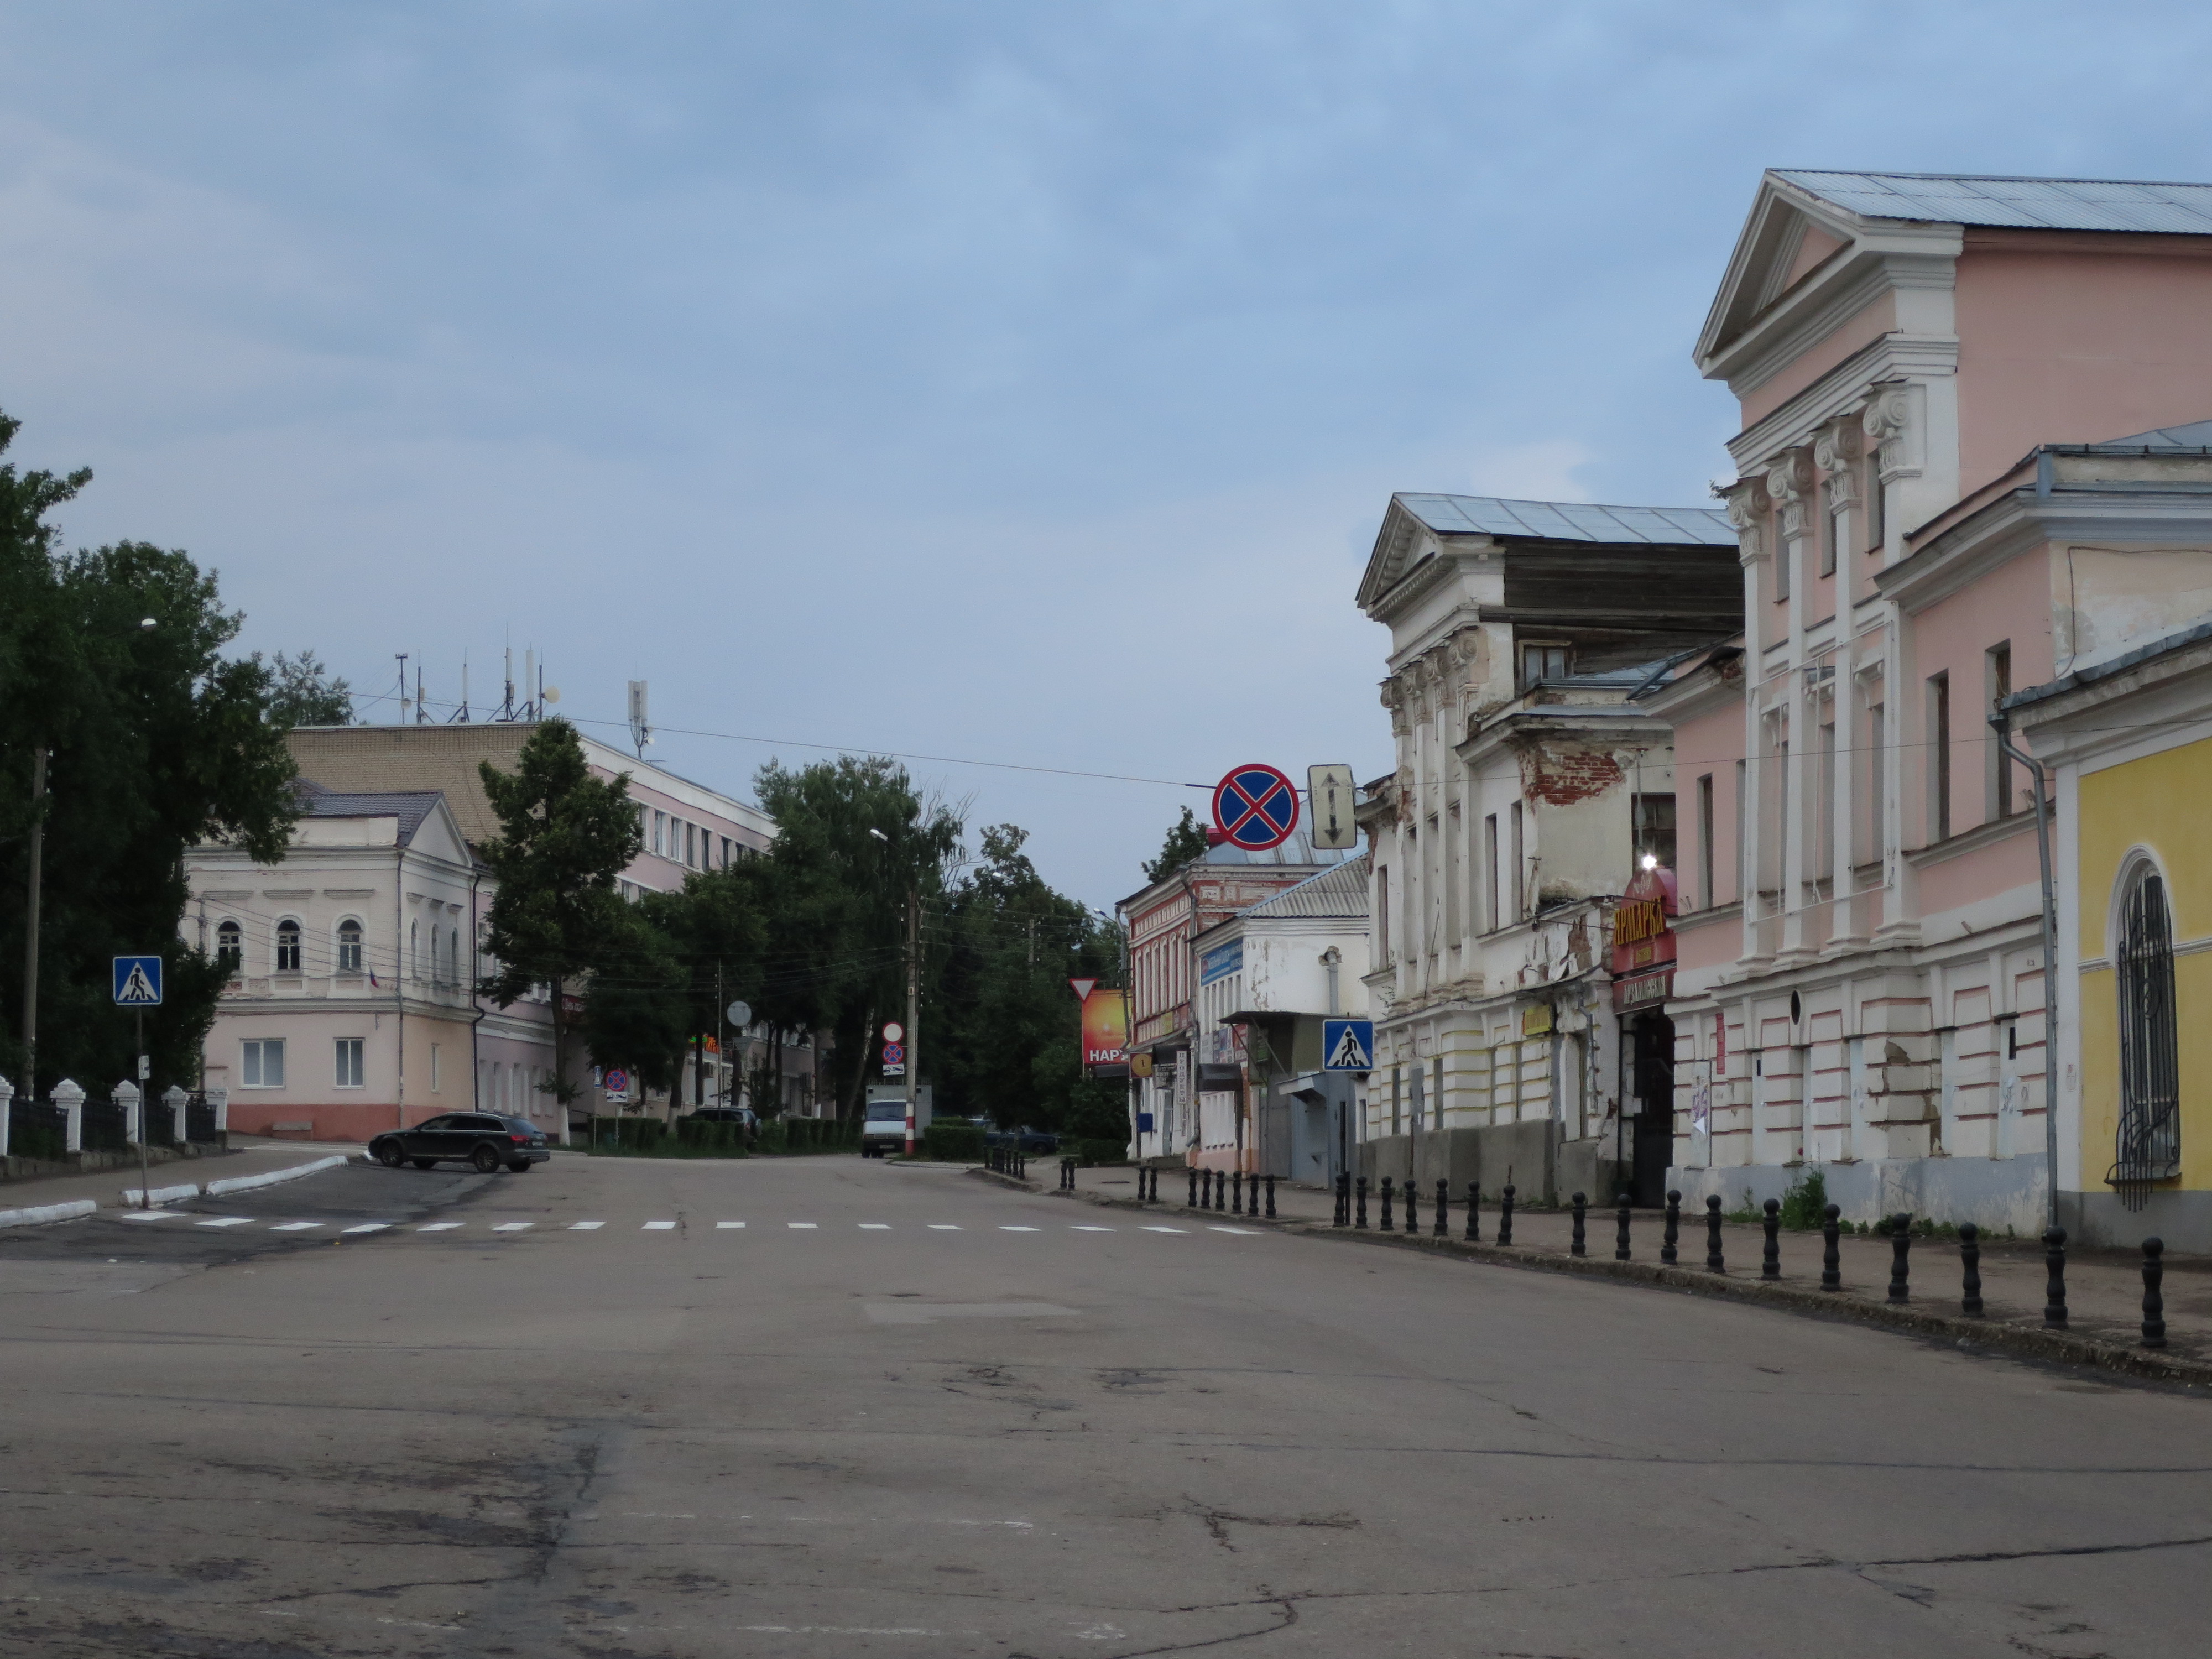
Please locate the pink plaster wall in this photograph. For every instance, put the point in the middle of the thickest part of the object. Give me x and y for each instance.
(2077, 339)
(1711, 744)
(1861, 329)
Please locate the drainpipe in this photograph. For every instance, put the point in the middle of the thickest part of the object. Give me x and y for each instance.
(1998, 724)
(476, 1002)
(399, 973)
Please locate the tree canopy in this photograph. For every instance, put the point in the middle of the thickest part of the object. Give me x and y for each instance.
(1185, 840)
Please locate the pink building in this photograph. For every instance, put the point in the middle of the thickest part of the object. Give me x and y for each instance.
(1860, 980)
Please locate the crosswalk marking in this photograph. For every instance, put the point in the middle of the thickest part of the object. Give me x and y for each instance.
(585, 1226)
(514, 1226)
(875, 1226)
(1075, 1228)
(361, 1228)
(438, 1227)
(1167, 1229)
(809, 1224)
(367, 1227)
(724, 1226)
(294, 1226)
(943, 1227)
(149, 1215)
(228, 1221)
(658, 1227)
(1017, 1229)
(1241, 1232)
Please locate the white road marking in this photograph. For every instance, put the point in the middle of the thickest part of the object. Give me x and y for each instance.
(943, 1227)
(723, 1226)
(440, 1226)
(1241, 1232)
(875, 1226)
(367, 1227)
(1017, 1229)
(1167, 1229)
(585, 1226)
(1078, 1229)
(228, 1221)
(514, 1226)
(294, 1226)
(800, 1224)
(149, 1215)
(658, 1227)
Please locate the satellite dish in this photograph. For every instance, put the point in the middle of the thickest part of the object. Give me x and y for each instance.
(552, 694)
(740, 1013)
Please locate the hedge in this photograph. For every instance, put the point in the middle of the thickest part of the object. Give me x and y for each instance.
(1102, 1152)
(952, 1143)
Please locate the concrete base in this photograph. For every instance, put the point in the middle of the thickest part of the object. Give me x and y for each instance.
(1993, 1193)
(1542, 1168)
(40, 1169)
(2182, 1220)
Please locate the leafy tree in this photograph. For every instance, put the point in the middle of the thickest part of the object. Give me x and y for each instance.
(564, 835)
(1186, 840)
(304, 693)
(635, 1005)
(111, 666)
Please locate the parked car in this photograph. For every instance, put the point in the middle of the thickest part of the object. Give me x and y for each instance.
(744, 1115)
(480, 1140)
(1029, 1143)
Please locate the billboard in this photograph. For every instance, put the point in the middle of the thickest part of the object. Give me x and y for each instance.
(1106, 1033)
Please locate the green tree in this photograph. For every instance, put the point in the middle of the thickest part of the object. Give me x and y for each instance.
(1186, 840)
(304, 693)
(111, 666)
(564, 835)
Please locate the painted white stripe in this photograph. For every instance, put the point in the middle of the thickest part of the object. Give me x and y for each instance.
(149, 1215)
(1241, 1232)
(943, 1227)
(440, 1226)
(585, 1226)
(228, 1221)
(1017, 1229)
(875, 1226)
(514, 1226)
(1090, 1230)
(367, 1227)
(658, 1227)
(724, 1226)
(1167, 1229)
(809, 1225)
(294, 1226)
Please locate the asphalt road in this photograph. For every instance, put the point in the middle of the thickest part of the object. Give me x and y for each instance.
(884, 1416)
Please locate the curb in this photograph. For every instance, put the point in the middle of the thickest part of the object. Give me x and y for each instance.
(244, 1183)
(37, 1214)
(135, 1197)
(998, 1180)
(2026, 1342)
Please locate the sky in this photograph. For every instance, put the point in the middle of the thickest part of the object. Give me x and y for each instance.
(989, 382)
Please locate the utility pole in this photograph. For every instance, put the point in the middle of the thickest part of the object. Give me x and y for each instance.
(913, 1011)
(31, 926)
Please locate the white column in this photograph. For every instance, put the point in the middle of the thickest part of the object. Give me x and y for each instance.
(1747, 507)
(220, 1099)
(1790, 482)
(70, 1099)
(126, 1096)
(176, 1100)
(7, 1100)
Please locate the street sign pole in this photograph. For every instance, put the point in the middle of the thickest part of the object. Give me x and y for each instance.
(145, 1187)
(912, 1010)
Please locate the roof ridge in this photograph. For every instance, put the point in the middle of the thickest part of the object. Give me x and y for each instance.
(2003, 177)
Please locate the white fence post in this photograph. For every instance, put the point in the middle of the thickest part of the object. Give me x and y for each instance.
(176, 1100)
(220, 1099)
(7, 1100)
(126, 1096)
(71, 1098)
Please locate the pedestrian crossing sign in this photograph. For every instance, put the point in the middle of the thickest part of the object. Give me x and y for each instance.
(138, 982)
(1348, 1045)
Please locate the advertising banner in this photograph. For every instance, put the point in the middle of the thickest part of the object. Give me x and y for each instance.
(1106, 1033)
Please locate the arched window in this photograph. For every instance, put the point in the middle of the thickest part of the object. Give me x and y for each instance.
(288, 946)
(230, 947)
(2149, 1140)
(453, 956)
(349, 946)
(414, 949)
(435, 963)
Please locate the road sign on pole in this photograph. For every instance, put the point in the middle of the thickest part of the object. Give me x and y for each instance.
(1256, 807)
(1348, 1045)
(138, 982)
(1331, 790)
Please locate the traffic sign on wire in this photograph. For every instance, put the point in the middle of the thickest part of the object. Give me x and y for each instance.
(1256, 807)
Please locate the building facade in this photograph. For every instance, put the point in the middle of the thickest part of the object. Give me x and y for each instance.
(1529, 785)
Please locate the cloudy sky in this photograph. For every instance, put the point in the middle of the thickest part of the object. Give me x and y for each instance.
(1016, 382)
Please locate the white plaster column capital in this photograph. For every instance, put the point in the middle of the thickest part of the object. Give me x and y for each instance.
(1790, 482)
(1747, 506)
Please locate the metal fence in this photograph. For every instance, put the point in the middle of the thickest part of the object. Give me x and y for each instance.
(106, 1127)
(37, 1129)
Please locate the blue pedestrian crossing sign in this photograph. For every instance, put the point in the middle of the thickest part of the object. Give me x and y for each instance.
(138, 982)
(1348, 1045)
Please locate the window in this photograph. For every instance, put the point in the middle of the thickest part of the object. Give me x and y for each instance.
(453, 956)
(1820, 837)
(414, 949)
(350, 1069)
(1870, 753)
(349, 946)
(1997, 677)
(1877, 517)
(726, 852)
(434, 953)
(1785, 548)
(2148, 1144)
(288, 946)
(1383, 911)
(262, 1063)
(660, 833)
(1706, 896)
(1741, 866)
(434, 1068)
(1493, 917)
(690, 846)
(1453, 858)
(1653, 818)
(1520, 865)
(1939, 757)
(1544, 662)
(1832, 529)
(230, 947)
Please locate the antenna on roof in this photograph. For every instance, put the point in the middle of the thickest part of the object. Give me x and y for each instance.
(460, 716)
(421, 716)
(507, 702)
(640, 731)
(402, 655)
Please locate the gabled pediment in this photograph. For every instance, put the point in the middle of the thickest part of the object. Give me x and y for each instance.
(1400, 544)
(1789, 234)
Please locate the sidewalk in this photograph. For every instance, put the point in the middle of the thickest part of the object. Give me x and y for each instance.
(2104, 1288)
(248, 1155)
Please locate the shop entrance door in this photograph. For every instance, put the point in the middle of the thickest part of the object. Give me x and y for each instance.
(1652, 1070)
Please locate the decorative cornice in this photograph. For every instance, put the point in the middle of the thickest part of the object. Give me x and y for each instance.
(1790, 483)
(1837, 451)
(1747, 507)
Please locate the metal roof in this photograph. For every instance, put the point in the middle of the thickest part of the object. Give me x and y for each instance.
(409, 806)
(2025, 203)
(1570, 521)
(1341, 892)
(2188, 440)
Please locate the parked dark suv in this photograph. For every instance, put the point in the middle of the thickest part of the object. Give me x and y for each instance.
(480, 1140)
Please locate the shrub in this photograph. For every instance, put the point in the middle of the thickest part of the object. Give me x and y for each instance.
(1804, 1204)
(1102, 1152)
(953, 1143)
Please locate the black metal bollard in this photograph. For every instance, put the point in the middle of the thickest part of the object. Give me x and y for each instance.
(1343, 1186)
(1715, 1261)
(1620, 1251)
(1191, 1203)
(1672, 1235)
(2054, 1291)
(2153, 1323)
(1970, 1270)
(1506, 1215)
(1577, 1246)
(1770, 1257)
(1412, 1196)
(1473, 1234)
(1220, 1189)
(1443, 1229)
(1900, 1253)
(1831, 1255)
(1359, 1222)
(1388, 1225)
(1271, 1198)
(1236, 1194)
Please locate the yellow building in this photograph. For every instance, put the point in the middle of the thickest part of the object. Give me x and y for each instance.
(2130, 743)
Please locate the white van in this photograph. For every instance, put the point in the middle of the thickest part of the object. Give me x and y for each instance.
(883, 1131)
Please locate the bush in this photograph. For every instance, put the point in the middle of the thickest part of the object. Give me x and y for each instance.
(1806, 1201)
(1102, 1152)
(808, 1134)
(953, 1143)
(711, 1138)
